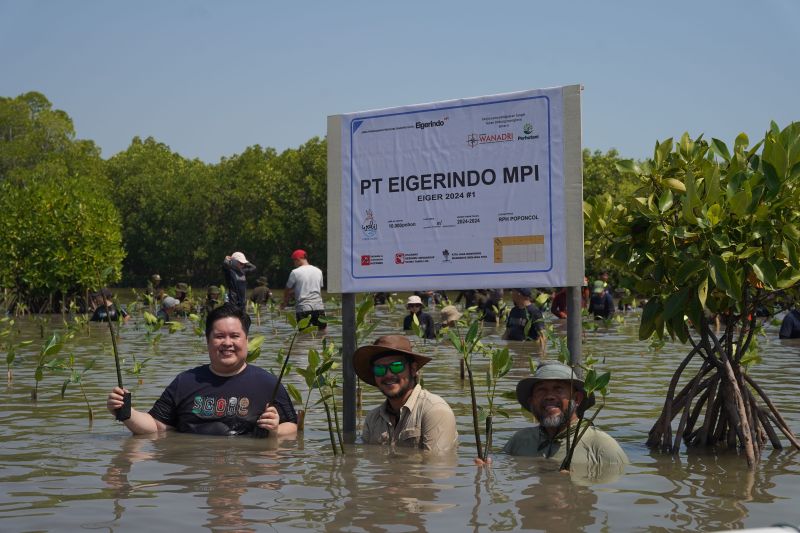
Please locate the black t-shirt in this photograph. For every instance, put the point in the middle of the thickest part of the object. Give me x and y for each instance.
(100, 315)
(425, 324)
(518, 318)
(199, 401)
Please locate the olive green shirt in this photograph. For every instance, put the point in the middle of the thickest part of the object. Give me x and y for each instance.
(425, 422)
(595, 447)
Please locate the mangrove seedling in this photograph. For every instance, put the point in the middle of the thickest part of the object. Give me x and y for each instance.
(327, 383)
(76, 378)
(466, 346)
(593, 383)
(8, 342)
(46, 360)
(500, 362)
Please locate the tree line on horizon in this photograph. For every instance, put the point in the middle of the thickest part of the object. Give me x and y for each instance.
(71, 221)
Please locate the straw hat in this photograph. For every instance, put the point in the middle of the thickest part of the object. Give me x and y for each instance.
(552, 370)
(449, 314)
(386, 345)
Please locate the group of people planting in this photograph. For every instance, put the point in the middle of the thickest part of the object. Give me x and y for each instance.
(229, 396)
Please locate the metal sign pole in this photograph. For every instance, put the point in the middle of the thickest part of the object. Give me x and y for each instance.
(348, 372)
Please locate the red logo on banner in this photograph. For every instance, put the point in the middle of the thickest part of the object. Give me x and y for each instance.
(364, 260)
(399, 258)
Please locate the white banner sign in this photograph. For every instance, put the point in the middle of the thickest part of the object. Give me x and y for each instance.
(453, 195)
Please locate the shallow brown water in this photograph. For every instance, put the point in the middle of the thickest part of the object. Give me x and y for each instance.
(58, 473)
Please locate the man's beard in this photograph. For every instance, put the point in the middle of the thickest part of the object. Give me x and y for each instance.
(556, 421)
(402, 392)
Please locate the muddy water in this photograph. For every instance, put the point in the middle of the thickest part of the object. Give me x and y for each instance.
(59, 473)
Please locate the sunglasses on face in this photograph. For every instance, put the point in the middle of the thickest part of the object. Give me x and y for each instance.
(395, 366)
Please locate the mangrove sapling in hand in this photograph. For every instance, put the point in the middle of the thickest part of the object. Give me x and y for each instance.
(593, 383)
(299, 327)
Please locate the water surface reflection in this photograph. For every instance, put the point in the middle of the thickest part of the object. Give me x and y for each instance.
(59, 473)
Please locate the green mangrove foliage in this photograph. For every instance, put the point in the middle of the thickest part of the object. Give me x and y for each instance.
(712, 231)
(57, 221)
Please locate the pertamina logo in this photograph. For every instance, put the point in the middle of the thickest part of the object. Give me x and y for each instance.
(474, 139)
(527, 129)
(365, 260)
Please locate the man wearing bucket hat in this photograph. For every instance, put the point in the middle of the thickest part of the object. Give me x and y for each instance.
(236, 267)
(305, 285)
(411, 416)
(556, 397)
(414, 306)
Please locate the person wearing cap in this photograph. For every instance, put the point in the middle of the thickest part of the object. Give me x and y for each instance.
(185, 306)
(414, 306)
(556, 397)
(601, 304)
(236, 267)
(305, 286)
(411, 416)
(261, 295)
(169, 306)
(525, 321)
(226, 397)
(212, 299)
(104, 307)
(152, 284)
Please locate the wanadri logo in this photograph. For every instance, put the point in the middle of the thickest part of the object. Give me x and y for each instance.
(431, 123)
(527, 129)
(474, 139)
(369, 227)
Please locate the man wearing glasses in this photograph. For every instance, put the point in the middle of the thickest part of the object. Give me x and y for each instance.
(410, 416)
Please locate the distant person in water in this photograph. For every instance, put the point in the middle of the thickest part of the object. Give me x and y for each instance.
(790, 326)
(414, 306)
(261, 295)
(305, 286)
(236, 267)
(228, 396)
(104, 306)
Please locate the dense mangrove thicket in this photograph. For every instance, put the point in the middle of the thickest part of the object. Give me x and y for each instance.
(711, 234)
(59, 229)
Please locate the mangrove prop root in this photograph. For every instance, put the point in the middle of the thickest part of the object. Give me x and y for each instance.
(780, 422)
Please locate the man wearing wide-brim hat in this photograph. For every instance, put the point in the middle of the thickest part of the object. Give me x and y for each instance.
(556, 397)
(411, 416)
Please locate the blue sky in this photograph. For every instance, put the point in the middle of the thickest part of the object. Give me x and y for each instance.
(211, 78)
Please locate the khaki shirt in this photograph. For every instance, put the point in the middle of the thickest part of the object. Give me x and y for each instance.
(595, 447)
(425, 422)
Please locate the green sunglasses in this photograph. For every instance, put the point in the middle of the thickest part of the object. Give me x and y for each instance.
(395, 366)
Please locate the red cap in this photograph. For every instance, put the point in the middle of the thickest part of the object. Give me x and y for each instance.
(298, 254)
